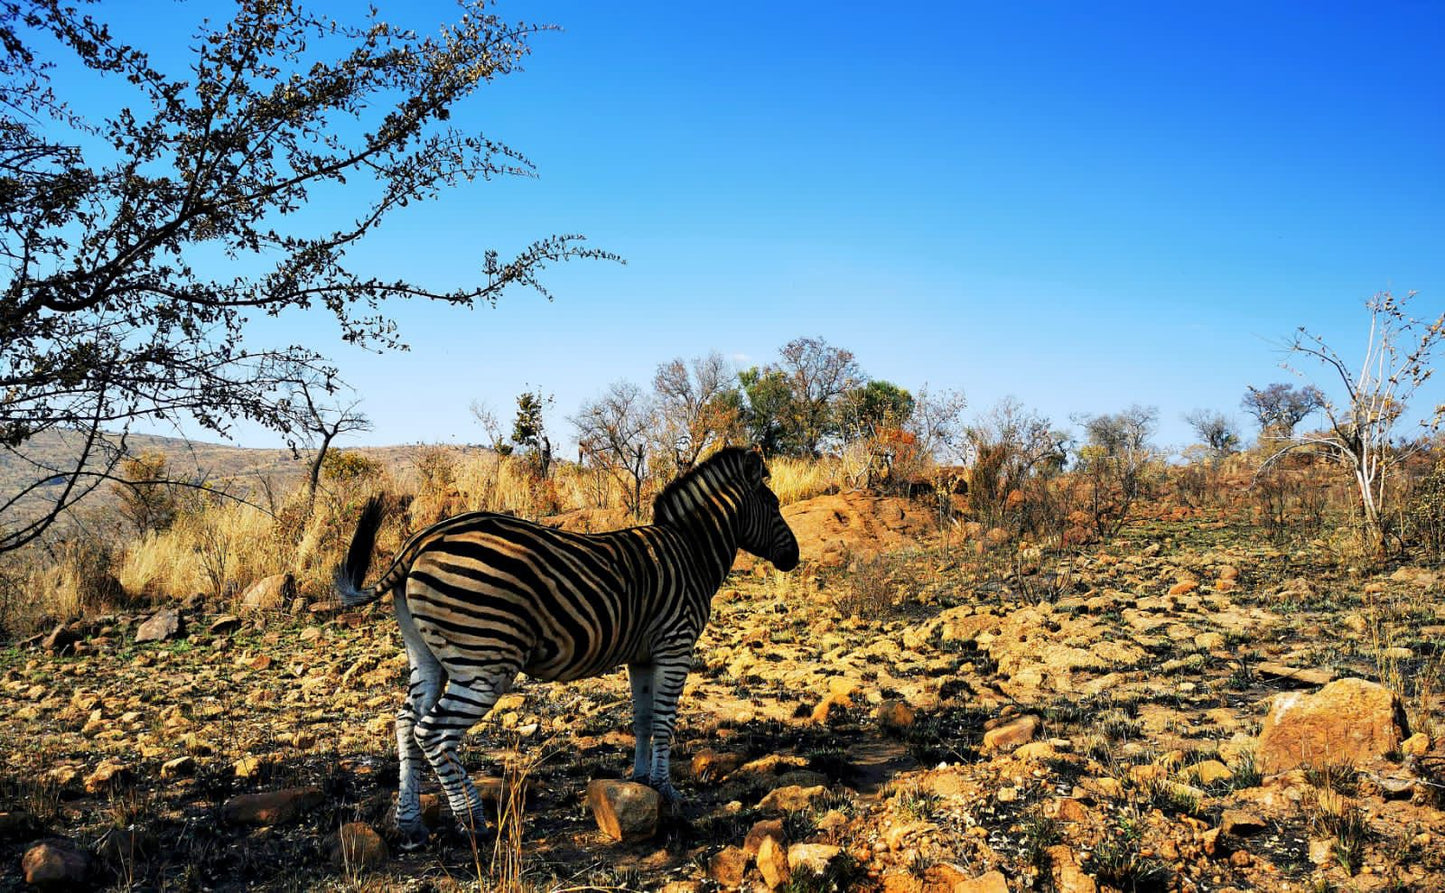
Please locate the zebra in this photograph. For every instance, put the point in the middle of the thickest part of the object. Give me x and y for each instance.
(481, 597)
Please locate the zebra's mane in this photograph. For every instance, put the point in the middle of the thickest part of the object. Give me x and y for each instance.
(667, 505)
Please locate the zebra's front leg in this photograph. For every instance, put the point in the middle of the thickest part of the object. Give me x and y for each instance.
(640, 676)
(669, 676)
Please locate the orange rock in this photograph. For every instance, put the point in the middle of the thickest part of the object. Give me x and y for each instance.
(271, 807)
(773, 863)
(357, 845)
(624, 810)
(1007, 736)
(1348, 722)
(729, 866)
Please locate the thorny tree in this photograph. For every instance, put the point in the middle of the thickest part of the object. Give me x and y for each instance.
(107, 314)
(699, 406)
(1358, 437)
(613, 434)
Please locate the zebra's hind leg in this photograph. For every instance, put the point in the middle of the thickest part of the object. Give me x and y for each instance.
(439, 733)
(425, 685)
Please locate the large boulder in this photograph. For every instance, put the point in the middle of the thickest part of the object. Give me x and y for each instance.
(161, 626)
(55, 865)
(1348, 722)
(271, 807)
(269, 593)
(356, 845)
(625, 811)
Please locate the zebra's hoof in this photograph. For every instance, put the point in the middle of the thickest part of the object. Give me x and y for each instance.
(669, 794)
(470, 833)
(412, 837)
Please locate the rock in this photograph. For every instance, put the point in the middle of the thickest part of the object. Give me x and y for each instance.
(815, 858)
(1240, 823)
(106, 776)
(269, 593)
(773, 863)
(1347, 722)
(766, 828)
(993, 882)
(729, 866)
(792, 798)
(1012, 733)
(271, 807)
(625, 811)
(60, 640)
(161, 626)
(1068, 876)
(224, 625)
(708, 765)
(179, 766)
(1417, 745)
(356, 845)
(894, 715)
(55, 865)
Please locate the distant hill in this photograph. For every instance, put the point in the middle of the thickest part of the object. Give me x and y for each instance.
(243, 471)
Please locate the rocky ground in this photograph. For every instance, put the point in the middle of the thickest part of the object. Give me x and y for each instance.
(1186, 709)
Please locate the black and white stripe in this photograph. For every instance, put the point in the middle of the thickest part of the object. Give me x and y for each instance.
(481, 597)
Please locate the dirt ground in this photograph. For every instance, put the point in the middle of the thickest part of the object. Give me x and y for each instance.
(865, 689)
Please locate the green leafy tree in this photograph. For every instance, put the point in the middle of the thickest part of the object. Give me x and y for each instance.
(867, 410)
(768, 416)
(529, 429)
(108, 317)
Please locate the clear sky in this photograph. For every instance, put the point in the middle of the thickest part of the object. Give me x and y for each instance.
(1081, 205)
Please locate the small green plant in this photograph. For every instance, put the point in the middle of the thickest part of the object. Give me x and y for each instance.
(915, 803)
(1342, 822)
(1338, 777)
(1038, 833)
(1119, 863)
(840, 875)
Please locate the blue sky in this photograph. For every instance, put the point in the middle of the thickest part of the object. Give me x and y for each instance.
(1080, 205)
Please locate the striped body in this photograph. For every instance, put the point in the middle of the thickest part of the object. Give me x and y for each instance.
(481, 597)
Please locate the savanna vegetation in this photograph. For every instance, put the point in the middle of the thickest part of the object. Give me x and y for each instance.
(1035, 653)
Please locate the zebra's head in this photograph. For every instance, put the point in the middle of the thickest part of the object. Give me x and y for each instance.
(761, 527)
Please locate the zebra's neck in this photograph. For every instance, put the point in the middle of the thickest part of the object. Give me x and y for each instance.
(705, 513)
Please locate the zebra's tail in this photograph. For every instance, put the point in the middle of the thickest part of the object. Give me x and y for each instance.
(352, 572)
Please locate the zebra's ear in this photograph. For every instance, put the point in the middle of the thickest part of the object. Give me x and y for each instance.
(753, 467)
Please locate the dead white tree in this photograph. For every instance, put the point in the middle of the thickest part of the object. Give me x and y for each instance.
(1360, 427)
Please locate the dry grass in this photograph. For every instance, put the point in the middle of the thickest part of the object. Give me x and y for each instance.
(795, 480)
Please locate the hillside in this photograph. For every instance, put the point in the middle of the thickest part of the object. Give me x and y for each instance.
(940, 717)
(242, 471)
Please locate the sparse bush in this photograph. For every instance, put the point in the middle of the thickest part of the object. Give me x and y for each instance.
(348, 465)
(1117, 466)
(1424, 521)
(148, 499)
